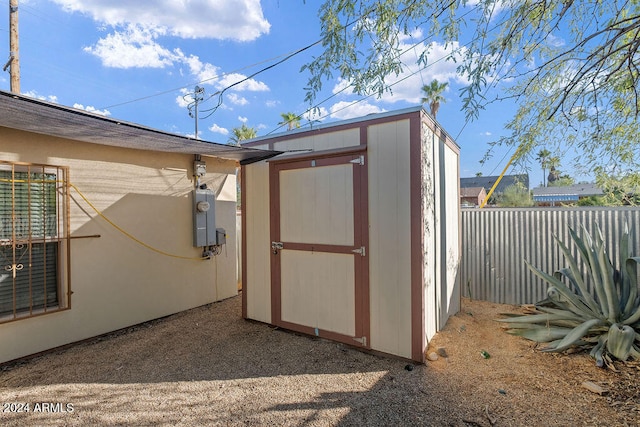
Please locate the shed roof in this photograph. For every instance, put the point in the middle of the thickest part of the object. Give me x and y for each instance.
(471, 191)
(46, 118)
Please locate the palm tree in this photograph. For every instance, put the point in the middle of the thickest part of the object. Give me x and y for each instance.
(543, 158)
(292, 120)
(433, 95)
(241, 133)
(554, 173)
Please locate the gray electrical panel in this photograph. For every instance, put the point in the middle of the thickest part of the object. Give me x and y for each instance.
(204, 218)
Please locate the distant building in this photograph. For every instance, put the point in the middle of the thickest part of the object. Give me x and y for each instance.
(487, 182)
(472, 196)
(549, 196)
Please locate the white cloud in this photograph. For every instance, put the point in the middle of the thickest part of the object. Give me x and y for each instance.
(91, 109)
(204, 72)
(243, 119)
(219, 129)
(135, 47)
(236, 99)
(240, 20)
(407, 85)
(555, 41)
(272, 103)
(36, 95)
(186, 98)
(316, 114)
(250, 85)
(348, 110)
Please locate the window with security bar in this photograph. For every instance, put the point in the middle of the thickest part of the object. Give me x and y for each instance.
(33, 247)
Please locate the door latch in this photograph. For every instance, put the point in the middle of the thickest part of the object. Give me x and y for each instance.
(361, 250)
(276, 246)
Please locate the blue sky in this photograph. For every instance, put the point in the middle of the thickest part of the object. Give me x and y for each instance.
(139, 60)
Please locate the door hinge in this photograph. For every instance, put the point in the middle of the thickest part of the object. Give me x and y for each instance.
(276, 246)
(358, 161)
(361, 250)
(362, 340)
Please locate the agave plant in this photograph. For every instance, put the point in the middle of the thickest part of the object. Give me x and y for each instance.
(605, 319)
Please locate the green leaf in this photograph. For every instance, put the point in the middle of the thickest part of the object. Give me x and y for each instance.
(596, 275)
(632, 272)
(608, 284)
(576, 304)
(620, 341)
(576, 334)
(625, 280)
(576, 277)
(542, 318)
(541, 334)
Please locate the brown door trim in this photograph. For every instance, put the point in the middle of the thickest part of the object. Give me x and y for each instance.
(361, 239)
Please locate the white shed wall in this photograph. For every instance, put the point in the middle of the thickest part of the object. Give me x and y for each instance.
(429, 242)
(319, 142)
(258, 243)
(389, 237)
(452, 232)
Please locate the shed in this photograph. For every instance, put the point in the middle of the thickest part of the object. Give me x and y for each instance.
(354, 234)
(68, 178)
(472, 196)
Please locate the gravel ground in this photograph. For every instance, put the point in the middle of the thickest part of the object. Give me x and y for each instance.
(207, 366)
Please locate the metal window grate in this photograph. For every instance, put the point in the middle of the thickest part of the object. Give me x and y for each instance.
(33, 232)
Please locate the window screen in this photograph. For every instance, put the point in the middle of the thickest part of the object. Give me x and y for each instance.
(30, 239)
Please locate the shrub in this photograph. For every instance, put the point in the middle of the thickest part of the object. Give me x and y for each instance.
(604, 316)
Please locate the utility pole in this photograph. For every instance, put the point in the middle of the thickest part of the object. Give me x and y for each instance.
(198, 95)
(14, 50)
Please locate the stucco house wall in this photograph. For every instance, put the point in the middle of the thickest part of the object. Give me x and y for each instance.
(115, 281)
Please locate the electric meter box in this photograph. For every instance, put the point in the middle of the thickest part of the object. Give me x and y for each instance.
(204, 218)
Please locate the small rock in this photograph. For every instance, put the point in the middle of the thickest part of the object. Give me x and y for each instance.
(442, 352)
(501, 391)
(485, 354)
(433, 356)
(409, 367)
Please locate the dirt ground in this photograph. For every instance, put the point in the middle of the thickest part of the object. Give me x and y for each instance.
(207, 366)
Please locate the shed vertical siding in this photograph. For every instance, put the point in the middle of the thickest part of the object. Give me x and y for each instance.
(258, 242)
(389, 227)
(451, 257)
(320, 142)
(413, 229)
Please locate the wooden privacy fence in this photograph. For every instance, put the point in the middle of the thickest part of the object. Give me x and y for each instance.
(495, 243)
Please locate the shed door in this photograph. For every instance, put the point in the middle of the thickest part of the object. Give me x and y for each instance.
(319, 239)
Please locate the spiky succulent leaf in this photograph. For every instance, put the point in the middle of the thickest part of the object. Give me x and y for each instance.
(609, 285)
(620, 342)
(541, 318)
(595, 272)
(539, 333)
(633, 303)
(575, 335)
(598, 350)
(605, 318)
(625, 280)
(576, 304)
(574, 275)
